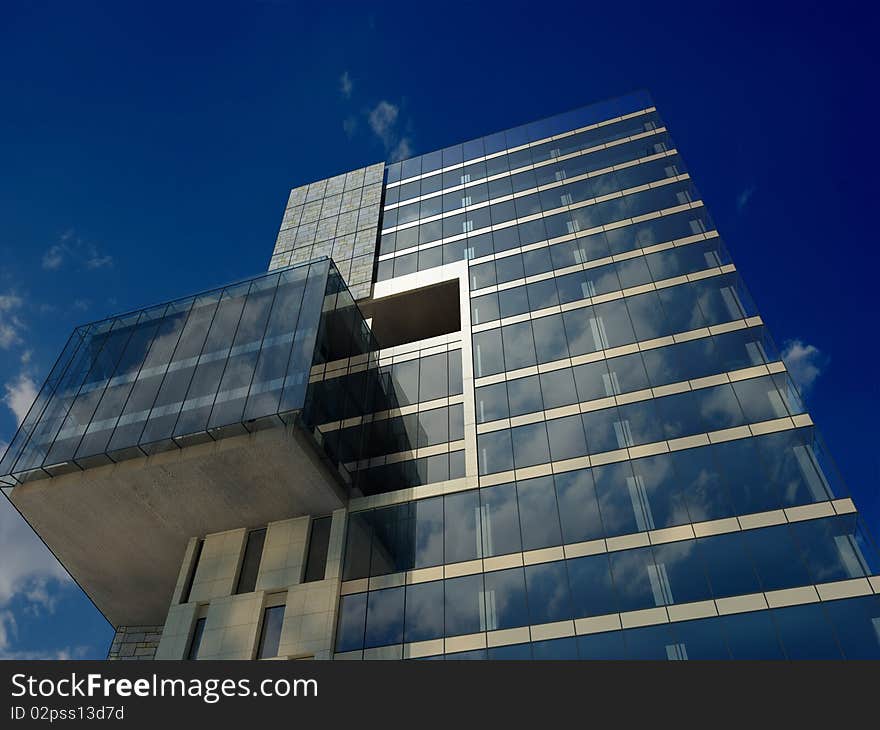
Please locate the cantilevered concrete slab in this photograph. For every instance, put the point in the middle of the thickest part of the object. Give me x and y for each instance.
(121, 529)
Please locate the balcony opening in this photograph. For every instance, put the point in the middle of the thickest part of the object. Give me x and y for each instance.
(415, 315)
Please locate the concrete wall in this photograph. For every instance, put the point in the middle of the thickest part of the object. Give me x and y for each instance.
(233, 622)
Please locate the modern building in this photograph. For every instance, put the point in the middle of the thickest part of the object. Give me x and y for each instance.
(509, 399)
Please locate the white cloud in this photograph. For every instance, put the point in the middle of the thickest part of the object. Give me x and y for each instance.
(402, 150)
(20, 394)
(346, 86)
(29, 573)
(805, 362)
(10, 324)
(53, 258)
(742, 200)
(383, 119)
(71, 247)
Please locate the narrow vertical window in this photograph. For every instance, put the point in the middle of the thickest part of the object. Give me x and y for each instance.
(250, 564)
(191, 575)
(196, 640)
(319, 541)
(270, 636)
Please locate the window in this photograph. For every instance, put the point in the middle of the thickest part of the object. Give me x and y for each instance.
(548, 595)
(506, 599)
(184, 596)
(424, 611)
(461, 527)
(494, 452)
(196, 640)
(319, 541)
(250, 564)
(500, 520)
(350, 629)
(464, 611)
(270, 637)
(578, 509)
(384, 617)
(530, 445)
(538, 514)
(524, 395)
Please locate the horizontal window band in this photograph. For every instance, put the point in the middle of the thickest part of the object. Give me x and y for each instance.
(528, 145)
(589, 202)
(528, 191)
(784, 423)
(586, 266)
(421, 407)
(472, 481)
(803, 595)
(599, 298)
(639, 346)
(382, 358)
(565, 238)
(613, 258)
(421, 452)
(569, 551)
(621, 399)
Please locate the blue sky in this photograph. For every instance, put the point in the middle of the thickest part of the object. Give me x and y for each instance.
(146, 152)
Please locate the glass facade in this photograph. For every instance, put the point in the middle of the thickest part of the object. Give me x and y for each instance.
(213, 365)
(603, 457)
(647, 483)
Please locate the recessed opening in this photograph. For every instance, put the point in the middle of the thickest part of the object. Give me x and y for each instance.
(415, 315)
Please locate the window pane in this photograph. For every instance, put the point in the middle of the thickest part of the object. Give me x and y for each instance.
(729, 567)
(592, 591)
(578, 509)
(530, 445)
(557, 388)
(857, 623)
(651, 643)
(357, 547)
(461, 526)
(806, 633)
(548, 594)
(352, 615)
(640, 583)
(701, 640)
(429, 532)
(752, 636)
(384, 617)
(250, 564)
(488, 354)
(524, 395)
(519, 347)
(491, 402)
(494, 451)
(464, 607)
(319, 541)
(500, 520)
(196, 641)
(602, 646)
(424, 611)
(567, 439)
(432, 377)
(539, 516)
(506, 599)
(555, 649)
(270, 638)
